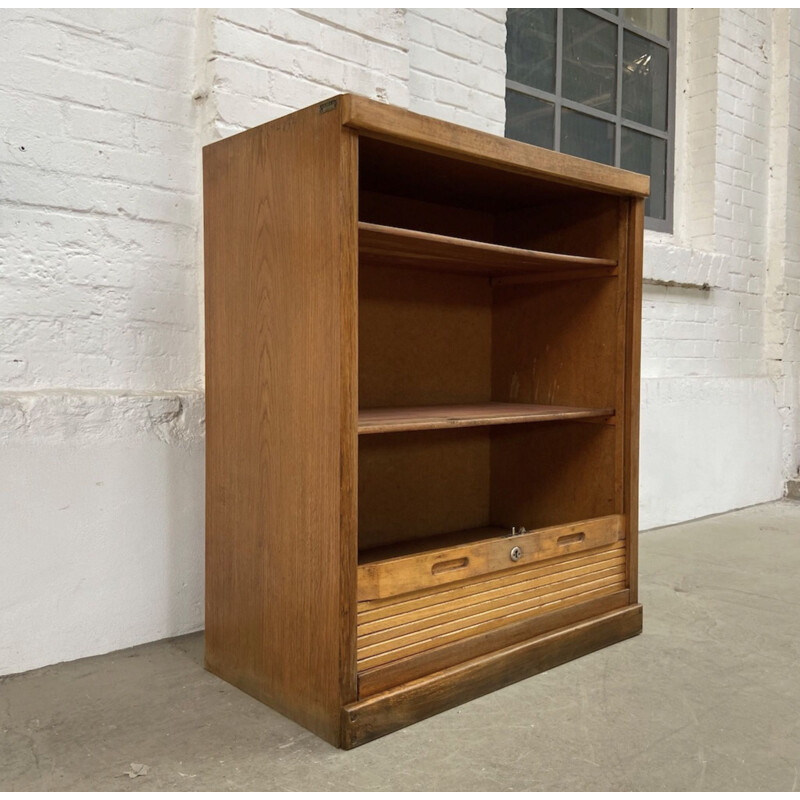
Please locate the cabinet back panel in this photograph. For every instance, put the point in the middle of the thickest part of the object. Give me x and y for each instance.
(589, 228)
(552, 473)
(421, 215)
(556, 343)
(413, 485)
(414, 173)
(424, 338)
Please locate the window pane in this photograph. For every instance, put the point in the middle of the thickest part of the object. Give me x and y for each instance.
(654, 20)
(590, 60)
(529, 120)
(647, 154)
(531, 47)
(644, 81)
(587, 137)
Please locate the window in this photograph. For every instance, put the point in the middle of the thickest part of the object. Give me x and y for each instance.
(599, 84)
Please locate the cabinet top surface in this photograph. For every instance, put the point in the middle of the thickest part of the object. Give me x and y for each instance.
(377, 120)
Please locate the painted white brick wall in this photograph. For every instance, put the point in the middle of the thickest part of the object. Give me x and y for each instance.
(98, 191)
(103, 114)
(782, 292)
(721, 240)
(790, 288)
(710, 349)
(100, 350)
(697, 38)
(458, 66)
(270, 62)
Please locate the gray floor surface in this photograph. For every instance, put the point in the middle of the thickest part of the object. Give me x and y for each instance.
(708, 697)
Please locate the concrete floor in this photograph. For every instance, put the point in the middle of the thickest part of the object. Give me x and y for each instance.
(707, 698)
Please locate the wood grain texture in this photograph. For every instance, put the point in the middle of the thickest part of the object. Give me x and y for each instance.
(421, 418)
(409, 668)
(426, 133)
(418, 484)
(404, 574)
(404, 171)
(281, 414)
(589, 228)
(577, 564)
(556, 343)
(395, 708)
(416, 546)
(393, 638)
(573, 476)
(488, 592)
(400, 247)
(622, 374)
(383, 208)
(459, 620)
(550, 276)
(424, 338)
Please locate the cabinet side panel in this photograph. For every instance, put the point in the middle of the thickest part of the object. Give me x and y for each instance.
(633, 378)
(621, 354)
(280, 265)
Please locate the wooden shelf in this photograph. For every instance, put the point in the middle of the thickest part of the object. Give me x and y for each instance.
(422, 418)
(398, 247)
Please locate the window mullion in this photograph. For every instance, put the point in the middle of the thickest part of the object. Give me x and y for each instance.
(539, 94)
(588, 110)
(637, 126)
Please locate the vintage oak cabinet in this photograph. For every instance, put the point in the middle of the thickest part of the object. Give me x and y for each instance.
(422, 355)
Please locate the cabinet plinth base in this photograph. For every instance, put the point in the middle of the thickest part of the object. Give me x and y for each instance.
(404, 705)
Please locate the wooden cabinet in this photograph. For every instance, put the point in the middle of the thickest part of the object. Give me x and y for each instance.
(422, 372)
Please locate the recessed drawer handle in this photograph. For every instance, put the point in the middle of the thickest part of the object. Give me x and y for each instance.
(449, 566)
(572, 538)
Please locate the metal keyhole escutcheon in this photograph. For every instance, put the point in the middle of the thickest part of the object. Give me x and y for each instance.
(515, 554)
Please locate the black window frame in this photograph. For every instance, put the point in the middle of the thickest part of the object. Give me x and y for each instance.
(617, 119)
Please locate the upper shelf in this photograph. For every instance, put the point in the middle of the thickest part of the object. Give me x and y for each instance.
(421, 418)
(399, 247)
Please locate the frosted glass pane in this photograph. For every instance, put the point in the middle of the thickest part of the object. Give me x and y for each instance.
(590, 60)
(645, 79)
(587, 137)
(531, 47)
(653, 20)
(647, 154)
(529, 120)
